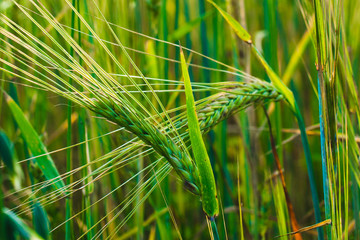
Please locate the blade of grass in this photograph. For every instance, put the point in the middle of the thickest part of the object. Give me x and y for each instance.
(324, 108)
(40, 221)
(279, 204)
(36, 146)
(188, 27)
(207, 181)
(84, 149)
(69, 160)
(239, 202)
(239, 30)
(297, 55)
(140, 211)
(7, 155)
(14, 223)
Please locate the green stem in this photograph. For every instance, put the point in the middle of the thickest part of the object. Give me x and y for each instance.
(310, 170)
(140, 211)
(68, 201)
(214, 229)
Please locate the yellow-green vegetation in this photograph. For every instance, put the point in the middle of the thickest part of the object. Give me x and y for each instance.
(205, 119)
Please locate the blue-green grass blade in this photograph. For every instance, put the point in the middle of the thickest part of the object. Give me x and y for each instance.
(14, 226)
(7, 155)
(41, 221)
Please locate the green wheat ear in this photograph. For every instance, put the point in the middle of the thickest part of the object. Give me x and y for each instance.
(152, 136)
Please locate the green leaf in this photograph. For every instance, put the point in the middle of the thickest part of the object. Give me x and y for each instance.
(14, 226)
(207, 180)
(235, 25)
(275, 79)
(35, 145)
(7, 155)
(320, 33)
(296, 57)
(188, 27)
(41, 221)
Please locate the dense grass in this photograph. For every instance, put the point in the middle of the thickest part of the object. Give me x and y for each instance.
(100, 138)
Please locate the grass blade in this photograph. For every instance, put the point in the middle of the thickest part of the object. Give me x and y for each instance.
(16, 225)
(7, 155)
(207, 180)
(35, 145)
(41, 221)
(239, 30)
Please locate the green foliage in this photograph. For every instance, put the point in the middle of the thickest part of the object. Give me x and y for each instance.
(16, 227)
(9, 160)
(36, 146)
(104, 112)
(41, 221)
